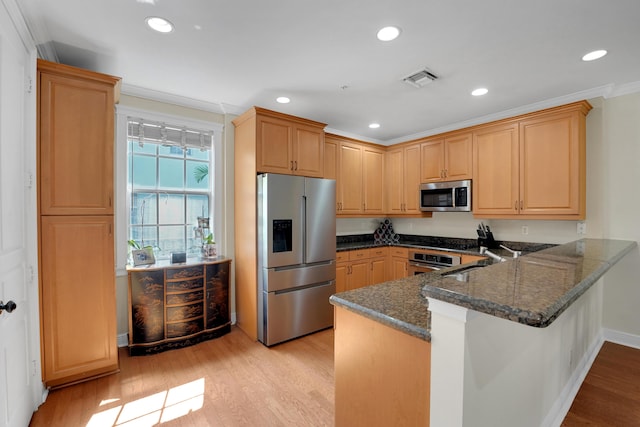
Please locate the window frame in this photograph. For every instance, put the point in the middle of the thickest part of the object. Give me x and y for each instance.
(123, 196)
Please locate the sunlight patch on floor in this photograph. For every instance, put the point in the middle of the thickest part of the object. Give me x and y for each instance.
(150, 410)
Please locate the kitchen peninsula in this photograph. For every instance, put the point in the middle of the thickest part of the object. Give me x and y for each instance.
(498, 345)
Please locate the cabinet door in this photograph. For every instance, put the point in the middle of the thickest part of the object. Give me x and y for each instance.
(78, 298)
(342, 269)
(350, 178)
(411, 179)
(550, 165)
(378, 270)
(373, 180)
(358, 274)
(331, 159)
(432, 160)
(395, 190)
(76, 146)
(274, 146)
(458, 157)
(496, 170)
(399, 268)
(308, 151)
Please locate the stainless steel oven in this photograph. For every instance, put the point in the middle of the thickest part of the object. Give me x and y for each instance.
(424, 261)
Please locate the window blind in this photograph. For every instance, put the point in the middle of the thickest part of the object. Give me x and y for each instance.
(145, 131)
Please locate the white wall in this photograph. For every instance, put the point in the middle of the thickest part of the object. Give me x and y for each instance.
(621, 201)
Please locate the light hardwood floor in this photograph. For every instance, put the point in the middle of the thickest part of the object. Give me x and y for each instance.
(610, 394)
(233, 381)
(229, 381)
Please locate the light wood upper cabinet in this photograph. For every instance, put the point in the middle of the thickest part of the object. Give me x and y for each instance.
(552, 165)
(373, 180)
(402, 170)
(359, 174)
(496, 170)
(76, 134)
(446, 159)
(532, 166)
(288, 147)
(349, 193)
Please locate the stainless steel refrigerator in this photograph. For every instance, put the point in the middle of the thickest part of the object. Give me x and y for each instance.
(296, 256)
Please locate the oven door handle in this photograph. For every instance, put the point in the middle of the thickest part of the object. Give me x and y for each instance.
(423, 265)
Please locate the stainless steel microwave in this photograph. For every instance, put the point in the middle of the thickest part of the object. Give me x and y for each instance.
(448, 196)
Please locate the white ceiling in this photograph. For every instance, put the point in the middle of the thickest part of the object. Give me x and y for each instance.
(226, 56)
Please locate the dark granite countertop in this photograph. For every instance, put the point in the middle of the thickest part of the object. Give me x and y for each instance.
(533, 289)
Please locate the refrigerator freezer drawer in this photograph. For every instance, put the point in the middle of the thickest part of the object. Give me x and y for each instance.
(289, 315)
(278, 279)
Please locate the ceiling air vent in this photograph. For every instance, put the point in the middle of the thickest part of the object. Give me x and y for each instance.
(420, 78)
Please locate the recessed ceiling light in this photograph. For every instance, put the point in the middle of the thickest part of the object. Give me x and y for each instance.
(480, 91)
(160, 25)
(388, 33)
(374, 125)
(596, 54)
(283, 100)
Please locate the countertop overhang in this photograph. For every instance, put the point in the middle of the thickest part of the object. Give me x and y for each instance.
(533, 289)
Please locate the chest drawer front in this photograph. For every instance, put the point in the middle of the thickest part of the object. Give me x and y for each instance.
(184, 285)
(184, 272)
(181, 329)
(180, 313)
(184, 298)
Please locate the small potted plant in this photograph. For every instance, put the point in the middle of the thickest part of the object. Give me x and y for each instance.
(209, 247)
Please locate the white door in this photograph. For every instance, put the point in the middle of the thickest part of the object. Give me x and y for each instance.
(19, 366)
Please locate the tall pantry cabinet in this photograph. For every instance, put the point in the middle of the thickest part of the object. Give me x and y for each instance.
(76, 229)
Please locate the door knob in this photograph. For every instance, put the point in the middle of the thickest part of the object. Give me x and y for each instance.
(10, 306)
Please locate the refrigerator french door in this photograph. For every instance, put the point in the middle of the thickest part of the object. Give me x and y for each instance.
(296, 256)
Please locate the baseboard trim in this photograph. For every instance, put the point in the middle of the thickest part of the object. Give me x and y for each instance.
(123, 340)
(622, 338)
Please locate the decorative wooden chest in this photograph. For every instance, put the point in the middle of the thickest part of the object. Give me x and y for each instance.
(177, 305)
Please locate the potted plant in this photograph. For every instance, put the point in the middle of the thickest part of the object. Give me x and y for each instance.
(209, 247)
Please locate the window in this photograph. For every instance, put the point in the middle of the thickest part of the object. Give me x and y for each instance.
(169, 180)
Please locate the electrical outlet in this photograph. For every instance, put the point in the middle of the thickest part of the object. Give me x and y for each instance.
(525, 229)
(581, 228)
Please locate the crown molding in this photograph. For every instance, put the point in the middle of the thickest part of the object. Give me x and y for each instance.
(183, 101)
(17, 16)
(606, 91)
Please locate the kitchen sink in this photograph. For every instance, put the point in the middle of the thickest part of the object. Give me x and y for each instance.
(462, 274)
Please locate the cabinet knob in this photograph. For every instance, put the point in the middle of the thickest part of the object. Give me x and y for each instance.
(9, 306)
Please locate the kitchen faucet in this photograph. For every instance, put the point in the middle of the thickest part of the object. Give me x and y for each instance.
(485, 251)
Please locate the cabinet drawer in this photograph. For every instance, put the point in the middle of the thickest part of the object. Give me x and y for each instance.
(184, 272)
(399, 252)
(378, 252)
(342, 256)
(176, 314)
(181, 329)
(184, 285)
(184, 298)
(359, 254)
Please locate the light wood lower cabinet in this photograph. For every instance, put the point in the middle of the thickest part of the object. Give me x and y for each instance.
(359, 268)
(398, 263)
(78, 298)
(382, 375)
